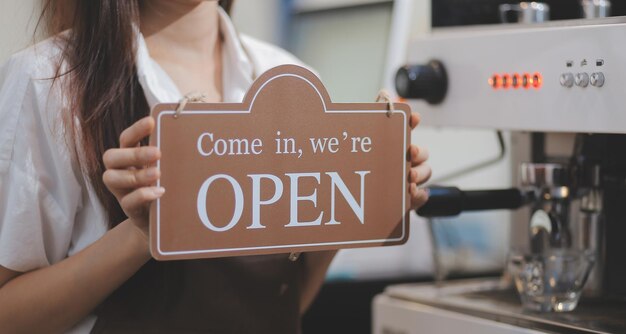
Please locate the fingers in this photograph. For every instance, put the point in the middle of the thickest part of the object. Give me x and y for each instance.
(136, 132)
(136, 202)
(414, 120)
(122, 158)
(122, 179)
(420, 174)
(126, 176)
(417, 155)
(419, 196)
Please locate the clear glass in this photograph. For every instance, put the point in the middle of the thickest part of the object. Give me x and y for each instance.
(552, 281)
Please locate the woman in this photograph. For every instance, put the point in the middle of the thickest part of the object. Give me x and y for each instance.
(74, 191)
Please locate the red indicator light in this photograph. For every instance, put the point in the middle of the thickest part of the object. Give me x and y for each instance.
(506, 81)
(527, 81)
(537, 80)
(495, 81)
(516, 81)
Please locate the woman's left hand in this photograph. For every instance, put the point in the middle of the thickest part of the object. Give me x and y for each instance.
(420, 171)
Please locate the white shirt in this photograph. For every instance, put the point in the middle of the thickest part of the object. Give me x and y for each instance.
(48, 210)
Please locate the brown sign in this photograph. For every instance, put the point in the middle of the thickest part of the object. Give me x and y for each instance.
(285, 171)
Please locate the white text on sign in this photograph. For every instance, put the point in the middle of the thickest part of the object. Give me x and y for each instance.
(336, 183)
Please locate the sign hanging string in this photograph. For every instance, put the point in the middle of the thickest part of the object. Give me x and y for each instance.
(383, 95)
(191, 97)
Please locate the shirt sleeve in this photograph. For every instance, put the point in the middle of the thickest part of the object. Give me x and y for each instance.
(39, 193)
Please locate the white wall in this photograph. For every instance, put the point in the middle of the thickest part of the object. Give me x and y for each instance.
(347, 47)
(259, 19)
(18, 19)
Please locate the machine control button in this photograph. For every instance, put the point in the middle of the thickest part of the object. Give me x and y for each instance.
(597, 79)
(428, 82)
(567, 80)
(582, 80)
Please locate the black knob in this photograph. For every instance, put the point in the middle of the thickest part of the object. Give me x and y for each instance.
(428, 82)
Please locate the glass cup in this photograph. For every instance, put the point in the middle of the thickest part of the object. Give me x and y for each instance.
(550, 281)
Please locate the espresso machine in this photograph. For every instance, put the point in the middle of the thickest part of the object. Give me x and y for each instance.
(558, 87)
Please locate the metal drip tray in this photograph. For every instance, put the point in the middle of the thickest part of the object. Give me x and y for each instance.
(492, 299)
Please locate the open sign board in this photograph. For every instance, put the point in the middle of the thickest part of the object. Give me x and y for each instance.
(286, 170)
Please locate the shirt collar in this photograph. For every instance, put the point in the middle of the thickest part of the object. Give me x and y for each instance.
(237, 69)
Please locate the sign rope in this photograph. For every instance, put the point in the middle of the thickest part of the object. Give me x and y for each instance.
(191, 97)
(383, 95)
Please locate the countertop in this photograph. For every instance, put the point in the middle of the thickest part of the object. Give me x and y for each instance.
(494, 299)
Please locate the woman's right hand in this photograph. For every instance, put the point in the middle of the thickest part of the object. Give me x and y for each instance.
(131, 172)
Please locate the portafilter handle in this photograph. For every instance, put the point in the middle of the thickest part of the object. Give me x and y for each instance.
(451, 201)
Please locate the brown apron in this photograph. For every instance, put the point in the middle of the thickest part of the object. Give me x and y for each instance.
(255, 294)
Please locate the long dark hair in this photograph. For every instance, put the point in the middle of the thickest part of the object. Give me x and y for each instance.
(103, 90)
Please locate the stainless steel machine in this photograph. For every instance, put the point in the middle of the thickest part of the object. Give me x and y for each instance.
(553, 84)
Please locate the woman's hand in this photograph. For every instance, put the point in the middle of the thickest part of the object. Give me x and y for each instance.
(420, 171)
(131, 172)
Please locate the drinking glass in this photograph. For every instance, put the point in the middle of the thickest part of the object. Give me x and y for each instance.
(550, 281)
